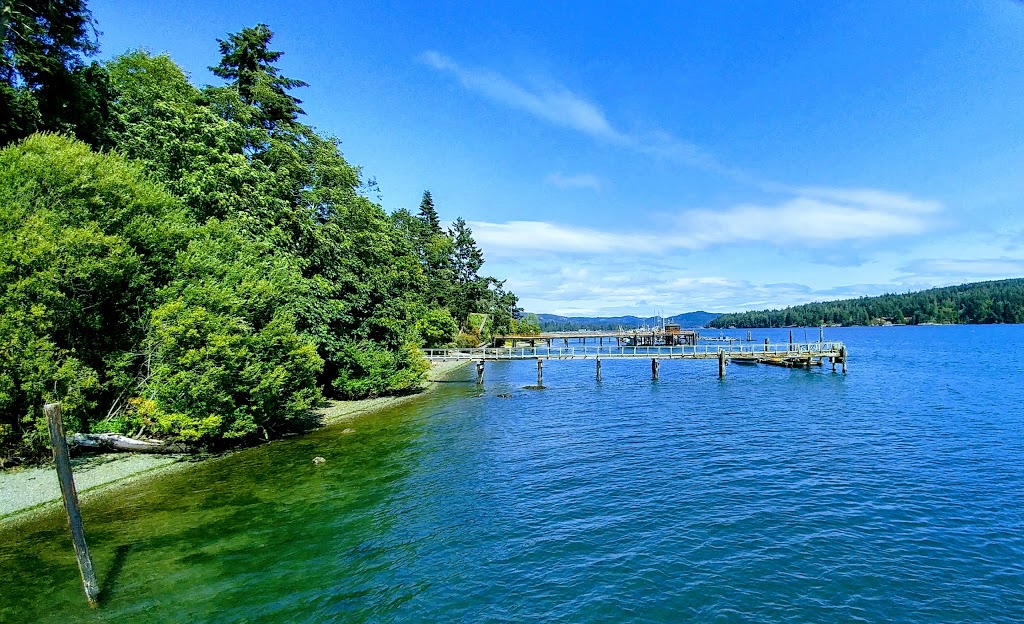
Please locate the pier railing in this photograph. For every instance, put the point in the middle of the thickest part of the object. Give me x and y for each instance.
(780, 350)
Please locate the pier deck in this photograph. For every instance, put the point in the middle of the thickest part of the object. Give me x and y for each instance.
(767, 353)
(787, 354)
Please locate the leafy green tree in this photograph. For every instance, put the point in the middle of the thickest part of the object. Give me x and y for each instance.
(168, 124)
(223, 359)
(86, 240)
(437, 328)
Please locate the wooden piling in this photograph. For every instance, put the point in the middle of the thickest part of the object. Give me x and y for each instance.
(791, 340)
(540, 372)
(480, 373)
(766, 345)
(70, 496)
(721, 364)
(842, 353)
(655, 367)
(599, 369)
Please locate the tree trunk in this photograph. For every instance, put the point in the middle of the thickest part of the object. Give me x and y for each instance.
(116, 442)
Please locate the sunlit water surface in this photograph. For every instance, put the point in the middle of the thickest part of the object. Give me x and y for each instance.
(892, 494)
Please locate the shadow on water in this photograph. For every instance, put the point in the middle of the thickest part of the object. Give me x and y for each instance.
(114, 572)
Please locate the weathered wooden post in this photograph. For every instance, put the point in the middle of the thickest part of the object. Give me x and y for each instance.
(721, 364)
(766, 345)
(480, 373)
(599, 369)
(540, 372)
(655, 365)
(791, 340)
(70, 496)
(821, 334)
(842, 352)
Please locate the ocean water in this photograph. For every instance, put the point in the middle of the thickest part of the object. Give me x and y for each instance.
(894, 493)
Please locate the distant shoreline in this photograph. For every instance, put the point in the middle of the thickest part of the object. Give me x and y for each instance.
(27, 493)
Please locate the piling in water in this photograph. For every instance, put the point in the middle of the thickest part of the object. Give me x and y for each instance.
(70, 496)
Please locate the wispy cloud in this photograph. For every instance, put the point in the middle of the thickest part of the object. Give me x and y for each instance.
(579, 180)
(557, 105)
(818, 217)
(560, 106)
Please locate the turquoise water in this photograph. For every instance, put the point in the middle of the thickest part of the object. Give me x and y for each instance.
(892, 494)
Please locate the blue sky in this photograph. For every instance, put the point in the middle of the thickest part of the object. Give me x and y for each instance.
(617, 159)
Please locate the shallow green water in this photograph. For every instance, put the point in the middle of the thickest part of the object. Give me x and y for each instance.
(891, 494)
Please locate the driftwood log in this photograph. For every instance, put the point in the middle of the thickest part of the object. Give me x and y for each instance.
(102, 442)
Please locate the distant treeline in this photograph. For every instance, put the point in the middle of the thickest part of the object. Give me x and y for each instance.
(553, 322)
(195, 263)
(982, 302)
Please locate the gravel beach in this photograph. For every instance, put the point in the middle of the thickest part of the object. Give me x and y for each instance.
(27, 491)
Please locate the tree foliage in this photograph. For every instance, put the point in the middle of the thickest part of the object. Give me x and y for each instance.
(45, 85)
(217, 272)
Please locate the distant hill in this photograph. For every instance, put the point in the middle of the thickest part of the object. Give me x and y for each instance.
(999, 301)
(554, 322)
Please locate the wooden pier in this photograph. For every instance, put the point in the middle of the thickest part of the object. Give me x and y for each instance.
(787, 354)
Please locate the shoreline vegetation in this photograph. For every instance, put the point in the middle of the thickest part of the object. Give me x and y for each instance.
(29, 492)
(197, 264)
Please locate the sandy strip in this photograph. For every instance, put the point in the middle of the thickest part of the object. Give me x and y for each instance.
(25, 492)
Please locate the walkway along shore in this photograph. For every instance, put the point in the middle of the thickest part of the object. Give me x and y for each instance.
(28, 492)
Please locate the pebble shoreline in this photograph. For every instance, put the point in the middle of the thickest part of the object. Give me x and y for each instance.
(26, 492)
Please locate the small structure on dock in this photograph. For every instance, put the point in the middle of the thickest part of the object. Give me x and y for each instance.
(671, 335)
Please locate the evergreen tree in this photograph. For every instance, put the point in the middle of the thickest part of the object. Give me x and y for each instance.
(247, 63)
(469, 289)
(44, 83)
(429, 215)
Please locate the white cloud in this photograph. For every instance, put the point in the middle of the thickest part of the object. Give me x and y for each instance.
(579, 180)
(815, 218)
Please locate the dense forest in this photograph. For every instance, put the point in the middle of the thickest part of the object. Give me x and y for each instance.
(982, 302)
(197, 263)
